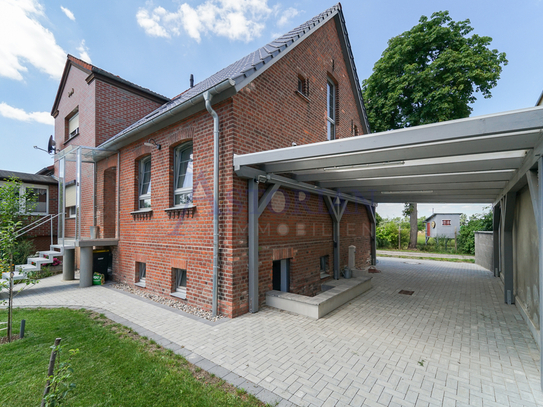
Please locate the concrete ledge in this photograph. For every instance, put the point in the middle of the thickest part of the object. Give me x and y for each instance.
(335, 294)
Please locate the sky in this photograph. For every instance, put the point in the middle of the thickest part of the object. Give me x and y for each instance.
(158, 44)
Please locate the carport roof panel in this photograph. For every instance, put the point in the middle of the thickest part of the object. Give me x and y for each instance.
(478, 154)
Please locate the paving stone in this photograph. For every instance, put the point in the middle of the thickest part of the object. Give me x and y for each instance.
(474, 349)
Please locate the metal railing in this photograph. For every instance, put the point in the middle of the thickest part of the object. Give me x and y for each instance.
(37, 224)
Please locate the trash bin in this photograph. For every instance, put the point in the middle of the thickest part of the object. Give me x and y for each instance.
(101, 262)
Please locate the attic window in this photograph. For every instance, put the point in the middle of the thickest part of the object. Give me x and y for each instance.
(303, 86)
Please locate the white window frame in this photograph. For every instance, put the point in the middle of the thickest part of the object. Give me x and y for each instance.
(330, 110)
(186, 192)
(70, 211)
(75, 131)
(147, 195)
(180, 290)
(142, 273)
(23, 189)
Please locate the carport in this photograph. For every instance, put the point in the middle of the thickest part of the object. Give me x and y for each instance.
(485, 159)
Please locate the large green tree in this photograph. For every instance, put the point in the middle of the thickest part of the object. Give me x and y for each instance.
(429, 74)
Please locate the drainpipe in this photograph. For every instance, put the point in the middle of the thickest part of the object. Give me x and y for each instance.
(207, 98)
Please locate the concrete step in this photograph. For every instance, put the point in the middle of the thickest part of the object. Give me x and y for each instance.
(38, 260)
(51, 253)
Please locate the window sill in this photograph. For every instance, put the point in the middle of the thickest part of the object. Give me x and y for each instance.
(146, 213)
(324, 275)
(176, 294)
(70, 138)
(178, 211)
(140, 284)
(304, 97)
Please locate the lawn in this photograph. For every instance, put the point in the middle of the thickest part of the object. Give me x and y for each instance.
(114, 367)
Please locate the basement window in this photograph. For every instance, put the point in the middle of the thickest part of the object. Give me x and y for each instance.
(141, 269)
(281, 275)
(180, 283)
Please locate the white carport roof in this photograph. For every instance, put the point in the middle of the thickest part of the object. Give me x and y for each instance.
(473, 160)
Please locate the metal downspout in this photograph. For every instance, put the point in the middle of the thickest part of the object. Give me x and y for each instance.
(207, 98)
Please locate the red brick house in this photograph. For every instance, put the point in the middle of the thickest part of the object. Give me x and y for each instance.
(151, 164)
(45, 189)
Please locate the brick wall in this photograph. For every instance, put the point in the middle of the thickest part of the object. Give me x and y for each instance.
(118, 108)
(267, 114)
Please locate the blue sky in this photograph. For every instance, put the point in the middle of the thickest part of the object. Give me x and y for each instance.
(158, 44)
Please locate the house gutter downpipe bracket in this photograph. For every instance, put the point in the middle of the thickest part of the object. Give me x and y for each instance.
(207, 98)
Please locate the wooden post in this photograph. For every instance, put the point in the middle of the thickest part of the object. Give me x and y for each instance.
(455, 241)
(51, 369)
(10, 299)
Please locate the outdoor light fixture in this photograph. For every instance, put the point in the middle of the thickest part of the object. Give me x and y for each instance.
(262, 179)
(362, 166)
(405, 192)
(152, 143)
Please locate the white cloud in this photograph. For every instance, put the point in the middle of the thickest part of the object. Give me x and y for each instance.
(84, 52)
(234, 19)
(68, 13)
(11, 112)
(23, 41)
(287, 15)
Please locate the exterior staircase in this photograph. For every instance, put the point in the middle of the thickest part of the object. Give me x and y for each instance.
(35, 263)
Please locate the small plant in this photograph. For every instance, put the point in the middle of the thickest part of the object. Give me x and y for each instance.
(421, 362)
(59, 382)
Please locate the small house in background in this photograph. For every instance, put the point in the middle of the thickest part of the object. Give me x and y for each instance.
(442, 225)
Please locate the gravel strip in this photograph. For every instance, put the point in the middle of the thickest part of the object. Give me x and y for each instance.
(170, 302)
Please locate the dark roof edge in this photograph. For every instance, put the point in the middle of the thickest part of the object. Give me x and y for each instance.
(108, 77)
(63, 83)
(540, 100)
(435, 214)
(28, 178)
(355, 82)
(240, 84)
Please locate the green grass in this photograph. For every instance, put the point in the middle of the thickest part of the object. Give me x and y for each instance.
(114, 367)
(422, 257)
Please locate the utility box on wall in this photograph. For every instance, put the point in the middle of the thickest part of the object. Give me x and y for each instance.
(442, 225)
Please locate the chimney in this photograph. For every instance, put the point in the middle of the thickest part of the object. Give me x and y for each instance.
(191, 80)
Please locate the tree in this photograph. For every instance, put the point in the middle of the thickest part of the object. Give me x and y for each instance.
(13, 208)
(430, 74)
(410, 210)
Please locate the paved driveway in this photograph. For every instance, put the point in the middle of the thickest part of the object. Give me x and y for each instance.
(453, 342)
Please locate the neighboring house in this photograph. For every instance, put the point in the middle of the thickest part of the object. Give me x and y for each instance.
(147, 188)
(442, 225)
(45, 189)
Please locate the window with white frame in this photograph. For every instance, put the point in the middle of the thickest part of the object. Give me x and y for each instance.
(73, 125)
(183, 175)
(39, 197)
(70, 211)
(141, 269)
(144, 183)
(445, 222)
(180, 283)
(331, 110)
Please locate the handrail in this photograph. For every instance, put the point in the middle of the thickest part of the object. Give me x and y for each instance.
(36, 224)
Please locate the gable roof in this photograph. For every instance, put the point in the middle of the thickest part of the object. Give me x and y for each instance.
(248, 68)
(95, 72)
